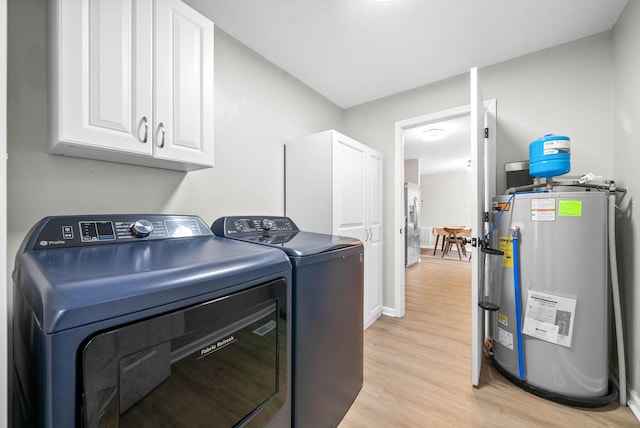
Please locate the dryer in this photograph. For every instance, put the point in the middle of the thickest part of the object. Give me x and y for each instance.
(148, 320)
(328, 331)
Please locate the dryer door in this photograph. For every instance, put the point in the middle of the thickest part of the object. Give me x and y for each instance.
(219, 363)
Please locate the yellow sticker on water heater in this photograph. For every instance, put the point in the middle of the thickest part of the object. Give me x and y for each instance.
(569, 208)
(506, 246)
(503, 319)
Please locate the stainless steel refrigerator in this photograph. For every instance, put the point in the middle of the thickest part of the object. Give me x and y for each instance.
(412, 202)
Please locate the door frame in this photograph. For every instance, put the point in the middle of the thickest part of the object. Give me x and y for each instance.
(4, 310)
(398, 185)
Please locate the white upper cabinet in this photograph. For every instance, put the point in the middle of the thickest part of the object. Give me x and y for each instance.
(131, 82)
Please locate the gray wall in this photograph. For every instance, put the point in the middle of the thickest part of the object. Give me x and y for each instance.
(446, 199)
(626, 154)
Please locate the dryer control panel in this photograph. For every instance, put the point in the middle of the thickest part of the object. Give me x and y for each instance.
(74, 231)
(243, 226)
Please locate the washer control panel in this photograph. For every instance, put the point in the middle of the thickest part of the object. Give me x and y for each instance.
(244, 226)
(74, 231)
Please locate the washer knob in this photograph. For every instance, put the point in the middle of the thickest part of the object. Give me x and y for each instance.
(141, 228)
(267, 223)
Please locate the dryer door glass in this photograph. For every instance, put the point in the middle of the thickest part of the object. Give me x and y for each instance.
(219, 363)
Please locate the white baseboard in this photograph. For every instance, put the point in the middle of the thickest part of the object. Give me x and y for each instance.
(389, 311)
(634, 403)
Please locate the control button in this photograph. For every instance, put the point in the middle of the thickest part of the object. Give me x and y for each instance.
(141, 228)
(267, 223)
(67, 232)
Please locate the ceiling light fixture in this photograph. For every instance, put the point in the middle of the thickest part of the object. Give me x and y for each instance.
(432, 134)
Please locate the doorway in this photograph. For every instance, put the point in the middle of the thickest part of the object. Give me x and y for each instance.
(404, 130)
(437, 157)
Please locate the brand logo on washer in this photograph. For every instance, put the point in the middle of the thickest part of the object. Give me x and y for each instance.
(45, 243)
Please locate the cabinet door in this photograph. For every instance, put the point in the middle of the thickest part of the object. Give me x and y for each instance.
(100, 72)
(183, 120)
(373, 244)
(349, 187)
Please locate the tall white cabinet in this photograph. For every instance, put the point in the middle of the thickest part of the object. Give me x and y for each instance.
(334, 186)
(131, 81)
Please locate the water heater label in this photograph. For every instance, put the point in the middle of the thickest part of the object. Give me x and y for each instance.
(550, 318)
(557, 146)
(543, 209)
(505, 338)
(506, 246)
(503, 319)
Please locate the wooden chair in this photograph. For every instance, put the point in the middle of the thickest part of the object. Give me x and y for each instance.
(452, 239)
(437, 232)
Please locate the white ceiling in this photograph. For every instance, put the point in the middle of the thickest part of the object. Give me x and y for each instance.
(356, 51)
(449, 154)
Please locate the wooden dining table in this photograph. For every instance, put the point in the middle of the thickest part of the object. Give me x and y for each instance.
(438, 231)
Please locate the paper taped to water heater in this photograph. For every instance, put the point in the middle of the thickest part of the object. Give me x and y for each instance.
(548, 317)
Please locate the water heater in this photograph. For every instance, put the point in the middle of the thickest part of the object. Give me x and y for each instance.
(557, 346)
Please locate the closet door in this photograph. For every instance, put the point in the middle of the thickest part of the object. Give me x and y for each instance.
(373, 243)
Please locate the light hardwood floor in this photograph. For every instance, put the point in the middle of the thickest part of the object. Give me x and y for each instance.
(417, 369)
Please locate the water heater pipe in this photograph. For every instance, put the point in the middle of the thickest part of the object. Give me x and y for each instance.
(515, 232)
(495, 223)
(617, 310)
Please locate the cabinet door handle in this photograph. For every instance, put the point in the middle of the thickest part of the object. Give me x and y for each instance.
(143, 122)
(161, 129)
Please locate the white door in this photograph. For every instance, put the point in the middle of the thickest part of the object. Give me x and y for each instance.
(183, 120)
(373, 243)
(483, 153)
(477, 225)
